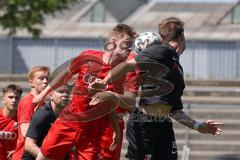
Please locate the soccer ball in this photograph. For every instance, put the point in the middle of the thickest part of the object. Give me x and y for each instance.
(146, 39)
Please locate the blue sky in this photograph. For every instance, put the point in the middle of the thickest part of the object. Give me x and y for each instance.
(197, 1)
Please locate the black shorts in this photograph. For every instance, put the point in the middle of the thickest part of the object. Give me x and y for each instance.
(154, 139)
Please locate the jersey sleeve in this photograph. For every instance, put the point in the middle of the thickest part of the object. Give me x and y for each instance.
(75, 66)
(177, 105)
(36, 125)
(25, 111)
(83, 57)
(156, 53)
(131, 83)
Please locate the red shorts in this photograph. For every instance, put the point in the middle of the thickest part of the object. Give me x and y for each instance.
(107, 140)
(61, 138)
(3, 153)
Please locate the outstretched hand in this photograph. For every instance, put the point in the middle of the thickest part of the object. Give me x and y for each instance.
(210, 127)
(116, 140)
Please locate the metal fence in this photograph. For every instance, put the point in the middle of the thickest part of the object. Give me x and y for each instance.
(48, 52)
(201, 60)
(230, 111)
(5, 55)
(212, 60)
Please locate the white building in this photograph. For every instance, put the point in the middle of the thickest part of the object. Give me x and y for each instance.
(212, 31)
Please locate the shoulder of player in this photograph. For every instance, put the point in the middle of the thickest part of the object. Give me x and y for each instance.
(26, 100)
(158, 51)
(27, 97)
(159, 48)
(91, 52)
(42, 113)
(6, 119)
(87, 55)
(1, 114)
(132, 55)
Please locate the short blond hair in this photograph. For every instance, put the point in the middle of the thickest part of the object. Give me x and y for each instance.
(37, 69)
(120, 30)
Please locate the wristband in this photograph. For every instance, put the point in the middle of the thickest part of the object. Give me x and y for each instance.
(196, 125)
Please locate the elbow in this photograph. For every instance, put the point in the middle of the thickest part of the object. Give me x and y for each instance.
(28, 145)
(176, 114)
(23, 132)
(130, 67)
(23, 129)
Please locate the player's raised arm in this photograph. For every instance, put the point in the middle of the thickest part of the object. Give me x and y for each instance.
(206, 127)
(120, 70)
(59, 80)
(115, 74)
(66, 72)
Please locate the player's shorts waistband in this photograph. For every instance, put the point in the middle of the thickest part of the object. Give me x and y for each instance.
(156, 110)
(139, 116)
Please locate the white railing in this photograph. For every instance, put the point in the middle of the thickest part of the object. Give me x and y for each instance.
(186, 148)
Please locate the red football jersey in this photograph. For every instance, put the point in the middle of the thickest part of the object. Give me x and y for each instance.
(89, 66)
(130, 83)
(8, 134)
(25, 112)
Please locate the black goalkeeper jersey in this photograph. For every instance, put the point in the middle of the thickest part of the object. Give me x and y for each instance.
(39, 126)
(161, 76)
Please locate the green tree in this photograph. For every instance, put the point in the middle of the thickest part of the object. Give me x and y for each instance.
(28, 14)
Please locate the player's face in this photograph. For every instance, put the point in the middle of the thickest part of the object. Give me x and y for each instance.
(182, 44)
(61, 96)
(39, 81)
(11, 100)
(120, 49)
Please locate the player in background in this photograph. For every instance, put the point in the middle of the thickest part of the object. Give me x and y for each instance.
(82, 124)
(8, 120)
(38, 80)
(42, 121)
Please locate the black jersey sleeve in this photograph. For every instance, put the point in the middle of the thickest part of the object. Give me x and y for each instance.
(36, 124)
(159, 53)
(156, 59)
(177, 105)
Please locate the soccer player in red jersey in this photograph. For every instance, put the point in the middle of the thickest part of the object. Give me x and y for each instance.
(38, 80)
(81, 123)
(8, 121)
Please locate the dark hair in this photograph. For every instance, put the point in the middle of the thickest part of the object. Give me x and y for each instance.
(12, 88)
(170, 29)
